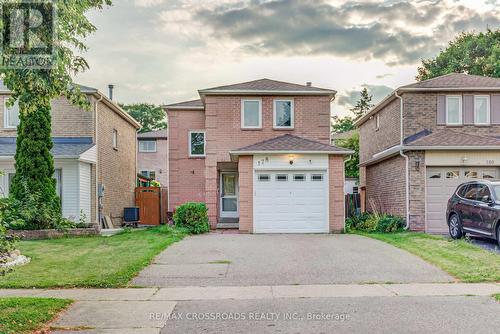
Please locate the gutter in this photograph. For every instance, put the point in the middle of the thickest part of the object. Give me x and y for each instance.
(407, 161)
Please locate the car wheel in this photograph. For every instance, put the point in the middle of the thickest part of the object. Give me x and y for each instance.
(455, 227)
(498, 235)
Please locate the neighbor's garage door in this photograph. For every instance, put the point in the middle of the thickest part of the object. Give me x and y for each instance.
(291, 202)
(441, 183)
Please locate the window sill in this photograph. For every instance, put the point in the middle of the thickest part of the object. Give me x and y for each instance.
(197, 157)
(10, 129)
(454, 125)
(283, 129)
(251, 129)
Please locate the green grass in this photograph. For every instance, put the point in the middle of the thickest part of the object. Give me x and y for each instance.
(220, 262)
(461, 259)
(497, 297)
(103, 262)
(25, 315)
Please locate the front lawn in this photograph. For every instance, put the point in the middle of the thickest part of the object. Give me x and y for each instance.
(102, 262)
(459, 258)
(25, 315)
(497, 297)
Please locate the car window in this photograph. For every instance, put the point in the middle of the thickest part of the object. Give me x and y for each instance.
(472, 192)
(462, 190)
(483, 193)
(497, 191)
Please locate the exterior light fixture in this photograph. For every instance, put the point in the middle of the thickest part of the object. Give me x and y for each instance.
(292, 159)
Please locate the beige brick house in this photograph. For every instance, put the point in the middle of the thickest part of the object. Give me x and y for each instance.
(259, 154)
(100, 141)
(423, 140)
(152, 156)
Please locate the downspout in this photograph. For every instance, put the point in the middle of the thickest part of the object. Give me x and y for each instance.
(343, 192)
(96, 203)
(407, 161)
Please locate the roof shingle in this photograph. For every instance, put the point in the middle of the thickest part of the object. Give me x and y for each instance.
(186, 104)
(292, 143)
(458, 80)
(63, 147)
(447, 137)
(160, 134)
(267, 85)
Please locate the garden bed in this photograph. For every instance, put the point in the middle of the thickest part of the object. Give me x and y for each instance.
(52, 234)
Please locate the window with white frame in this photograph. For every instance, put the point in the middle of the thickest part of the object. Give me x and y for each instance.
(283, 114)
(482, 110)
(197, 143)
(147, 146)
(115, 139)
(9, 177)
(454, 110)
(11, 115)
(149, 173)
(251, 114)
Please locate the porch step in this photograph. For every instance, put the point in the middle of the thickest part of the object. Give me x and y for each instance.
(228, 225)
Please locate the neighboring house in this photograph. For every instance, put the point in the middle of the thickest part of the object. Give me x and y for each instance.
(101, 140)
(449, 134)
(152, 157)
(338, 137)
(259, 155)
(351, 186)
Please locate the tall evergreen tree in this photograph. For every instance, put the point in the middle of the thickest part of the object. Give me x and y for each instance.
(363, 105)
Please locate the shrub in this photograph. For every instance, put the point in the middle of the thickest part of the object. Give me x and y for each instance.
(193, 216)
(374, 222)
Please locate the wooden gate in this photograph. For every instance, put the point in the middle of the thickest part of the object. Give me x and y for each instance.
(148, 199)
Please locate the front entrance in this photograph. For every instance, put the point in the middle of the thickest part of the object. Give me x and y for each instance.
(229, 207)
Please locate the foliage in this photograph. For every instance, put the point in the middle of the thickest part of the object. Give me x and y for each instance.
(7, 243)
(101, 262)
(34, 89)
(151, 117)
(341, 125)
(374, 222)
(352, 143)
(497, 297)
(193, 216)
(460, 258)
(27, 315)
(155, 183)
(471, 53)
(363, 105)
(32, 213)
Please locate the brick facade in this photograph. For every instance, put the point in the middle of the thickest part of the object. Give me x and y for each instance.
(336, 189)
(245, 172)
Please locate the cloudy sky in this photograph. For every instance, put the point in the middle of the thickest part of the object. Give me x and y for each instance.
(163, 51)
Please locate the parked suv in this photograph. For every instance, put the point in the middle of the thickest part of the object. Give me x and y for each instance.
(475, 208)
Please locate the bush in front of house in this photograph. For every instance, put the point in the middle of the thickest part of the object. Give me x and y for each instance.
(192, 216)
(375, 222)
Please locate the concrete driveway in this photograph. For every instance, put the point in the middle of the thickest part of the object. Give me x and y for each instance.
(239, 260)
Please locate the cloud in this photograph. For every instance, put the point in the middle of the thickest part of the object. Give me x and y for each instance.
(348, 99)
(397, 33)
(148, 3)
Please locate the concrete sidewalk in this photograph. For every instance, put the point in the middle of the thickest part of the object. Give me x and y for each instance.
(264, 292)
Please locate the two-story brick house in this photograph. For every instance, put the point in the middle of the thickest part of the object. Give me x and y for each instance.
(100, 141)
(259, 154)
(423, 140)
(152, 156)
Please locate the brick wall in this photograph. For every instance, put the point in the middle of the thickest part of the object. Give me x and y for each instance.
(117, 167)
(187, 175)
(67, 120)
(372, 140)
(336, 189)
(385, 186)
(224, 133)
(155, 161)
(417, 190)
(245, 171)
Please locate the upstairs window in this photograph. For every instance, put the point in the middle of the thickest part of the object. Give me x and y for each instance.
(454, 110)
(11, 116)
(115, 139)
(283, 114)
(196, 143)
(251, 114)
(481, 110)
(147, 146)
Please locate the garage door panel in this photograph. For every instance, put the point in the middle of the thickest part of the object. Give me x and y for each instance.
(291, 206)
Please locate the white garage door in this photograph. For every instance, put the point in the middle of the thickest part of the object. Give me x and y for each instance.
(291, 202)
(441, 183)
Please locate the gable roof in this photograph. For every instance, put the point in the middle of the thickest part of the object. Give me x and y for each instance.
(267, 86)
(457, 82)
(290, 144)
(188, 105)
(448, 137)
(160, 134)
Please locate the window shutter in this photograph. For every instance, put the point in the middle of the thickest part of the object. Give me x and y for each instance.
(468, 109)
(441, 110)
(495, 109)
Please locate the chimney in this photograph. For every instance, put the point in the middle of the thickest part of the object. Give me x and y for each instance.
(111, 87)
(309, 84)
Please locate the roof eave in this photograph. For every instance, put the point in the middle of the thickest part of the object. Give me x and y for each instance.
(183, 107)
(115, 107)
(265, 92)
(290, 152)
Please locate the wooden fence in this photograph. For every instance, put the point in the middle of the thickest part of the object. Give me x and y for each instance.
(352, 205)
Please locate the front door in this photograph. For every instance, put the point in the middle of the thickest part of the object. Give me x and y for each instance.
(229, 195)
